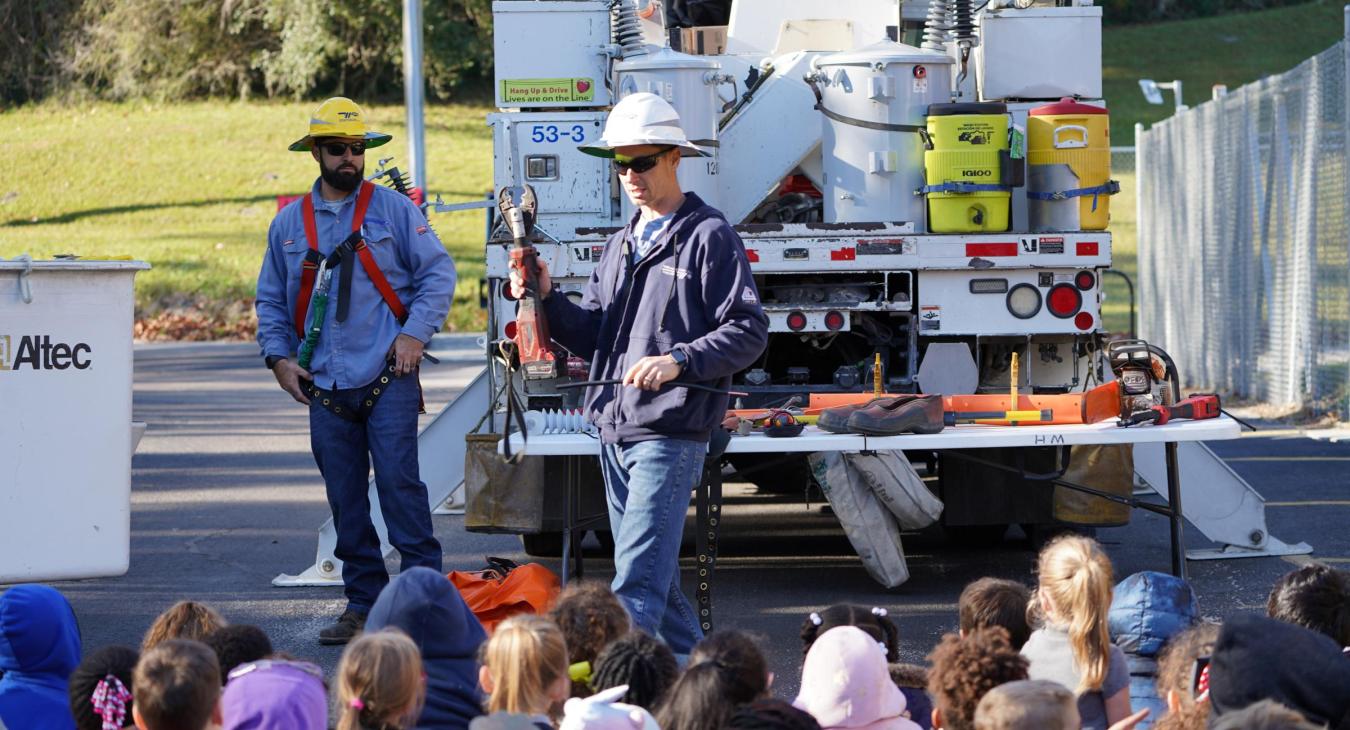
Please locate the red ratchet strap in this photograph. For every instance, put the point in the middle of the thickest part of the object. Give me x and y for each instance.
(311, 265)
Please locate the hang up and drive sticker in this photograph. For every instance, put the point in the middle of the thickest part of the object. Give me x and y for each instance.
(544, 91)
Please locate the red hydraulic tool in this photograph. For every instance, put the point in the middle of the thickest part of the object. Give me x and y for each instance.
(1196, 408)
(532, 338)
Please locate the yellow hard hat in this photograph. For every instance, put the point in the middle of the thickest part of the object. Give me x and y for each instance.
(338, 117)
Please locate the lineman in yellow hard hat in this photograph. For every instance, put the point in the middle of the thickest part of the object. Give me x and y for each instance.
(339, 117)
(353, 285)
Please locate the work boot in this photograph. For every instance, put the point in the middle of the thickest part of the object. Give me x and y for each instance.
(835, 420)
(917, 415)
(349, 625)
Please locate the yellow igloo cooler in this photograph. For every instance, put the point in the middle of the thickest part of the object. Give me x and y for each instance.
(964, 168)
(1069, 185)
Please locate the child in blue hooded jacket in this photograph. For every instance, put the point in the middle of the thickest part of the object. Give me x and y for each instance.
(1147, 610)
(39, 648)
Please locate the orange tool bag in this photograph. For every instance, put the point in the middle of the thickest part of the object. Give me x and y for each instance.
(504, 589)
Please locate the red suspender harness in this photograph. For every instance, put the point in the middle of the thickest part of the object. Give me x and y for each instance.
(311, 265)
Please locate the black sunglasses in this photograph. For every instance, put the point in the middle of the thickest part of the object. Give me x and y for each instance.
(639, 164)
(337, 149)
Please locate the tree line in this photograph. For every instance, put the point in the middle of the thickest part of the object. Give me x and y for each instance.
(184, 49)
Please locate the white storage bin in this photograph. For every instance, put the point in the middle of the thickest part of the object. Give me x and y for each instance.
(1040, 53)
(65, 419)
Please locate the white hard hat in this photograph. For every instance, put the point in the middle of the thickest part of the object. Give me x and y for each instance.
(642, 119)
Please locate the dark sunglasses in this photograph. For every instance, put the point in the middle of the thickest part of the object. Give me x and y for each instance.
(337, 149)
(638, 164)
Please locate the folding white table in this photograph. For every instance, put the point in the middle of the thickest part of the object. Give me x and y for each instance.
(966, 436)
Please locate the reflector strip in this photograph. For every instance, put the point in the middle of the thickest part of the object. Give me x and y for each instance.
(844, 254)
(988, 286)
(1087, 248)
(992, 249)
(752, 255)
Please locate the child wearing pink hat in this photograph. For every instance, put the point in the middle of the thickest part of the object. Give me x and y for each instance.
(846, 684)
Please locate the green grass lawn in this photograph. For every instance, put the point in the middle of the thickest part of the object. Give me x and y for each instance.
(1232, 49)
(191, 188)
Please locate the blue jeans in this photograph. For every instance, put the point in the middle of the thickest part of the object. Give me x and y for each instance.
(648, 486)
(344, 452)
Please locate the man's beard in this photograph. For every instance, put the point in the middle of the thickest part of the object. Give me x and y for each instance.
(344, 180)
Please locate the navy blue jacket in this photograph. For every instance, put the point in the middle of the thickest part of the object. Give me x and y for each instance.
(692, 292)
(428, 608)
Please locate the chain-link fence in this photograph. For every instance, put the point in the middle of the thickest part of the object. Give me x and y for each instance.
(1242, 227)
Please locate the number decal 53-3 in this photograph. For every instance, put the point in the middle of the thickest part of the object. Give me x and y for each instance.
(552, 133)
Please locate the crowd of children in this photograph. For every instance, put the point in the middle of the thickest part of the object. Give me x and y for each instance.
(1077, 651)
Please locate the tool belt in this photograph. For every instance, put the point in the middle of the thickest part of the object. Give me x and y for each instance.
(370, 395)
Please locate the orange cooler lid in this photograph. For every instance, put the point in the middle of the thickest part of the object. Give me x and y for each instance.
(1066, 106)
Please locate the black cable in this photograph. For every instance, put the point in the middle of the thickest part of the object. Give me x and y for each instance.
(1239, 420)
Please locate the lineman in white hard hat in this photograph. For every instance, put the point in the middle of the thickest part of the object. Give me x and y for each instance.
(671, 301)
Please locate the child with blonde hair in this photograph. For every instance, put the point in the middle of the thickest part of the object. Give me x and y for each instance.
(1073, 645)
(524, 669)
(380, 685)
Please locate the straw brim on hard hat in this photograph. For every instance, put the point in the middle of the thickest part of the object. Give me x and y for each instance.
(372, 139)
(643, 119)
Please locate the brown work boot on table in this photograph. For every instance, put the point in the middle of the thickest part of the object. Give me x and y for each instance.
(920, 414)
(349, 626)
(835, 420)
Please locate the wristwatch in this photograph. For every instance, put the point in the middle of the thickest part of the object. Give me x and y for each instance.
(272, 360)
(680, 357)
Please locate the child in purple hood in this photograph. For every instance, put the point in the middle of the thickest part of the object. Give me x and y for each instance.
(275, 695)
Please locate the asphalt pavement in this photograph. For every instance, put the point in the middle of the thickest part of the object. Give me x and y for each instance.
(225, 496)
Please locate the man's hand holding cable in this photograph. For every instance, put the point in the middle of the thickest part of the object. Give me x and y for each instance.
(407, 352)
(542, 279)
(652, 372)
(288, 375)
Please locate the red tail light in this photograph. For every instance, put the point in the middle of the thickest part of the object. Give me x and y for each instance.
(1083, 321)
(510, 330)
(1064, 300)
(1085, 280)
(834, 320)
(796, 321)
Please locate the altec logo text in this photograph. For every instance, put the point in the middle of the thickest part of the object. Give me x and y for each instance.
(38, 352)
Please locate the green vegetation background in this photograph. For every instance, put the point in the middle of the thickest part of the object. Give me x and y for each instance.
(191, 186)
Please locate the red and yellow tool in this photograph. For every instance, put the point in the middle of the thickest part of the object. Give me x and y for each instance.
(532, 337)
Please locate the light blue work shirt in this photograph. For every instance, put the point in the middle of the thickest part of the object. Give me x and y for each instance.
(351, 354)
